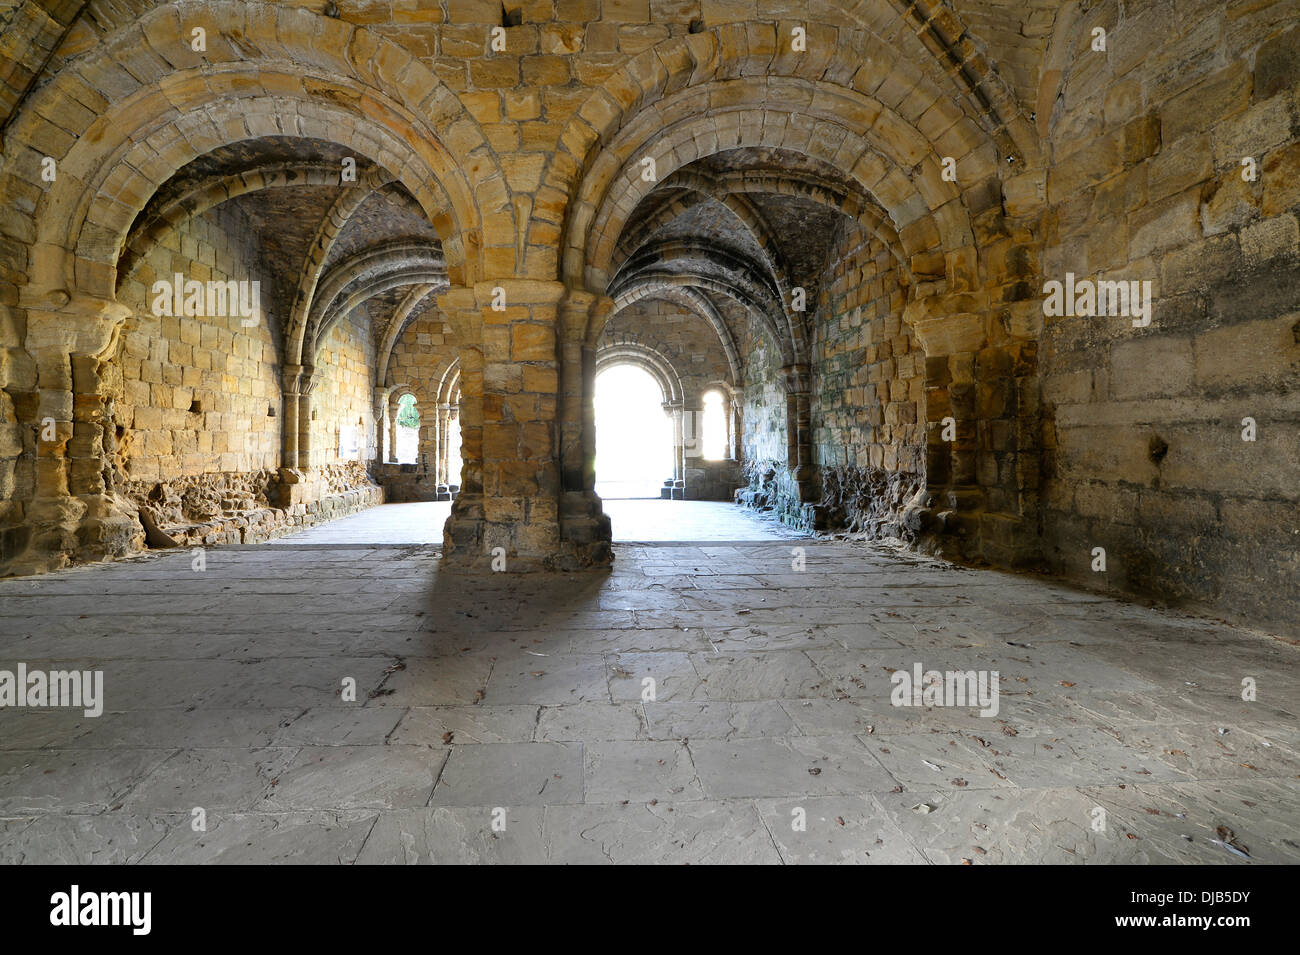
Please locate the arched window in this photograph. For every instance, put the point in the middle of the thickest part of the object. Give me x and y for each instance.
(714, 432)
(408, 430)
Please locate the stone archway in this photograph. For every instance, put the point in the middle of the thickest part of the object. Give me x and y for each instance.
(112, 166)
(695, 101)
(661, 371)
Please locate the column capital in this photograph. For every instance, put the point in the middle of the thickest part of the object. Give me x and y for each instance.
(516, 292)
(77, 324)
(948, 324)
(798, 379)
(583, 315)
(291, 379)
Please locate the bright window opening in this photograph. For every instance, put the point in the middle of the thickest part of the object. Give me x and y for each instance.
(408, 431)
(634, 437)
(714, 427)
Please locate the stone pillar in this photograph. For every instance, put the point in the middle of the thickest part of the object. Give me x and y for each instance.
(692, 459)
(428, 443)
(463, 533)
(735, 435)
(798, 417)
(383, 425)
(518, 431)
(393, 407)
(305, 387)
(584, 525)
(290, 381)
(75, 511)
(452, 477)
(441, 426)
(672, 489)
(18, 435)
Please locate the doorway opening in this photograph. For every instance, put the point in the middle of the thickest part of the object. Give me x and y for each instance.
(407, 432)
(634, 436)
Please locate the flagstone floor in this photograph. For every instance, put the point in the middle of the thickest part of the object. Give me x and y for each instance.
(502, 719)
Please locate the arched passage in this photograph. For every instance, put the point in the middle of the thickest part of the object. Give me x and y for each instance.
(693, 130)
(635, 441)
(209, 152)
(761, 156)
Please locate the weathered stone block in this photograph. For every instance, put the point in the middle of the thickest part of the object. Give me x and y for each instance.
(1149, 366)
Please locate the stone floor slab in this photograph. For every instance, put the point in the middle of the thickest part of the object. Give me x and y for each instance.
(356, 777)
(787, 766)
(836, 830)
(696, 833)
(511, 774)
(639, 771)
(262, 838)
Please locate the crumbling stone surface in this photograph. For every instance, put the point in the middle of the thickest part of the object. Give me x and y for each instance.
(868, 501)
(246, 508)
(771, 488)
(345, 477)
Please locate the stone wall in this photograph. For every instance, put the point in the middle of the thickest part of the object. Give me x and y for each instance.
(769, 485)
(764, 412)
(343, 426)
(197, 409)
(713, 480)
(691, 346)
(407, 482)
(199, 394)
(1153, 147)
(868, 411)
